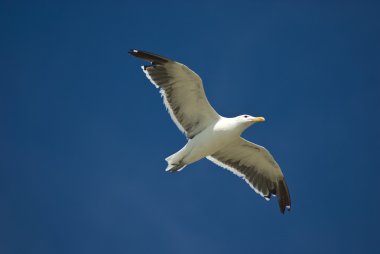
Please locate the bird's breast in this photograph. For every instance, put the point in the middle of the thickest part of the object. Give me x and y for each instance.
(208, 142)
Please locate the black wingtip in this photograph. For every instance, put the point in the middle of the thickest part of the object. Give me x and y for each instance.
(153, 58)
(283, 196)
(133, 51)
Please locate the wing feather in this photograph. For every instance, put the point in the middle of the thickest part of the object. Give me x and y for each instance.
(182, 91)
(257, 167)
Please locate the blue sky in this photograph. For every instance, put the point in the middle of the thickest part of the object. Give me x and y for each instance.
(83, 134)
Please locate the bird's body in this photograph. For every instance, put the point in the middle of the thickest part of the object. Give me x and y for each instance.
(210, 135)
(210, 140)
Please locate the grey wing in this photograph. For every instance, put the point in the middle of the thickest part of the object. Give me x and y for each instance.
(258, 168)
(183, 93)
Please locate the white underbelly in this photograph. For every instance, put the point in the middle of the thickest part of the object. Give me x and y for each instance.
(204, 144)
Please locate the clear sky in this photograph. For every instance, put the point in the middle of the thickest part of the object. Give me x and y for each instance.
(83, 134)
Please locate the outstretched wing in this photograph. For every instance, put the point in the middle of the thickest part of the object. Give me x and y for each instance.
(183, 93)
(257, 167)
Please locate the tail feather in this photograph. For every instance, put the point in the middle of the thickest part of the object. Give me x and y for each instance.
(169, 158)
(173, 164)
(175, 167)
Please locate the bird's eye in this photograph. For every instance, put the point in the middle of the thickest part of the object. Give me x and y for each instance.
(245, 116)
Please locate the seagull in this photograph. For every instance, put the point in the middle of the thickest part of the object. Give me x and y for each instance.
(210, 135)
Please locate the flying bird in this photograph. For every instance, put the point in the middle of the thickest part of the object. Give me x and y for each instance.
(209, 134)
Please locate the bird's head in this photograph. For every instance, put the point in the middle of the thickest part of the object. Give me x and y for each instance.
(247, 120)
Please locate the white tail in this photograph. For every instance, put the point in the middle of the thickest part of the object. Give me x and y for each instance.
(175, 162)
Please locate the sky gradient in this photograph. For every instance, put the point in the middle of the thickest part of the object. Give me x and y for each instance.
(83, 133)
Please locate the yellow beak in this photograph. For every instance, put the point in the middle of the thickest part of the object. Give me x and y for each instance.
(259, 119)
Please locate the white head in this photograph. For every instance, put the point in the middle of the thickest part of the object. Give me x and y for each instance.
(246, 120)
